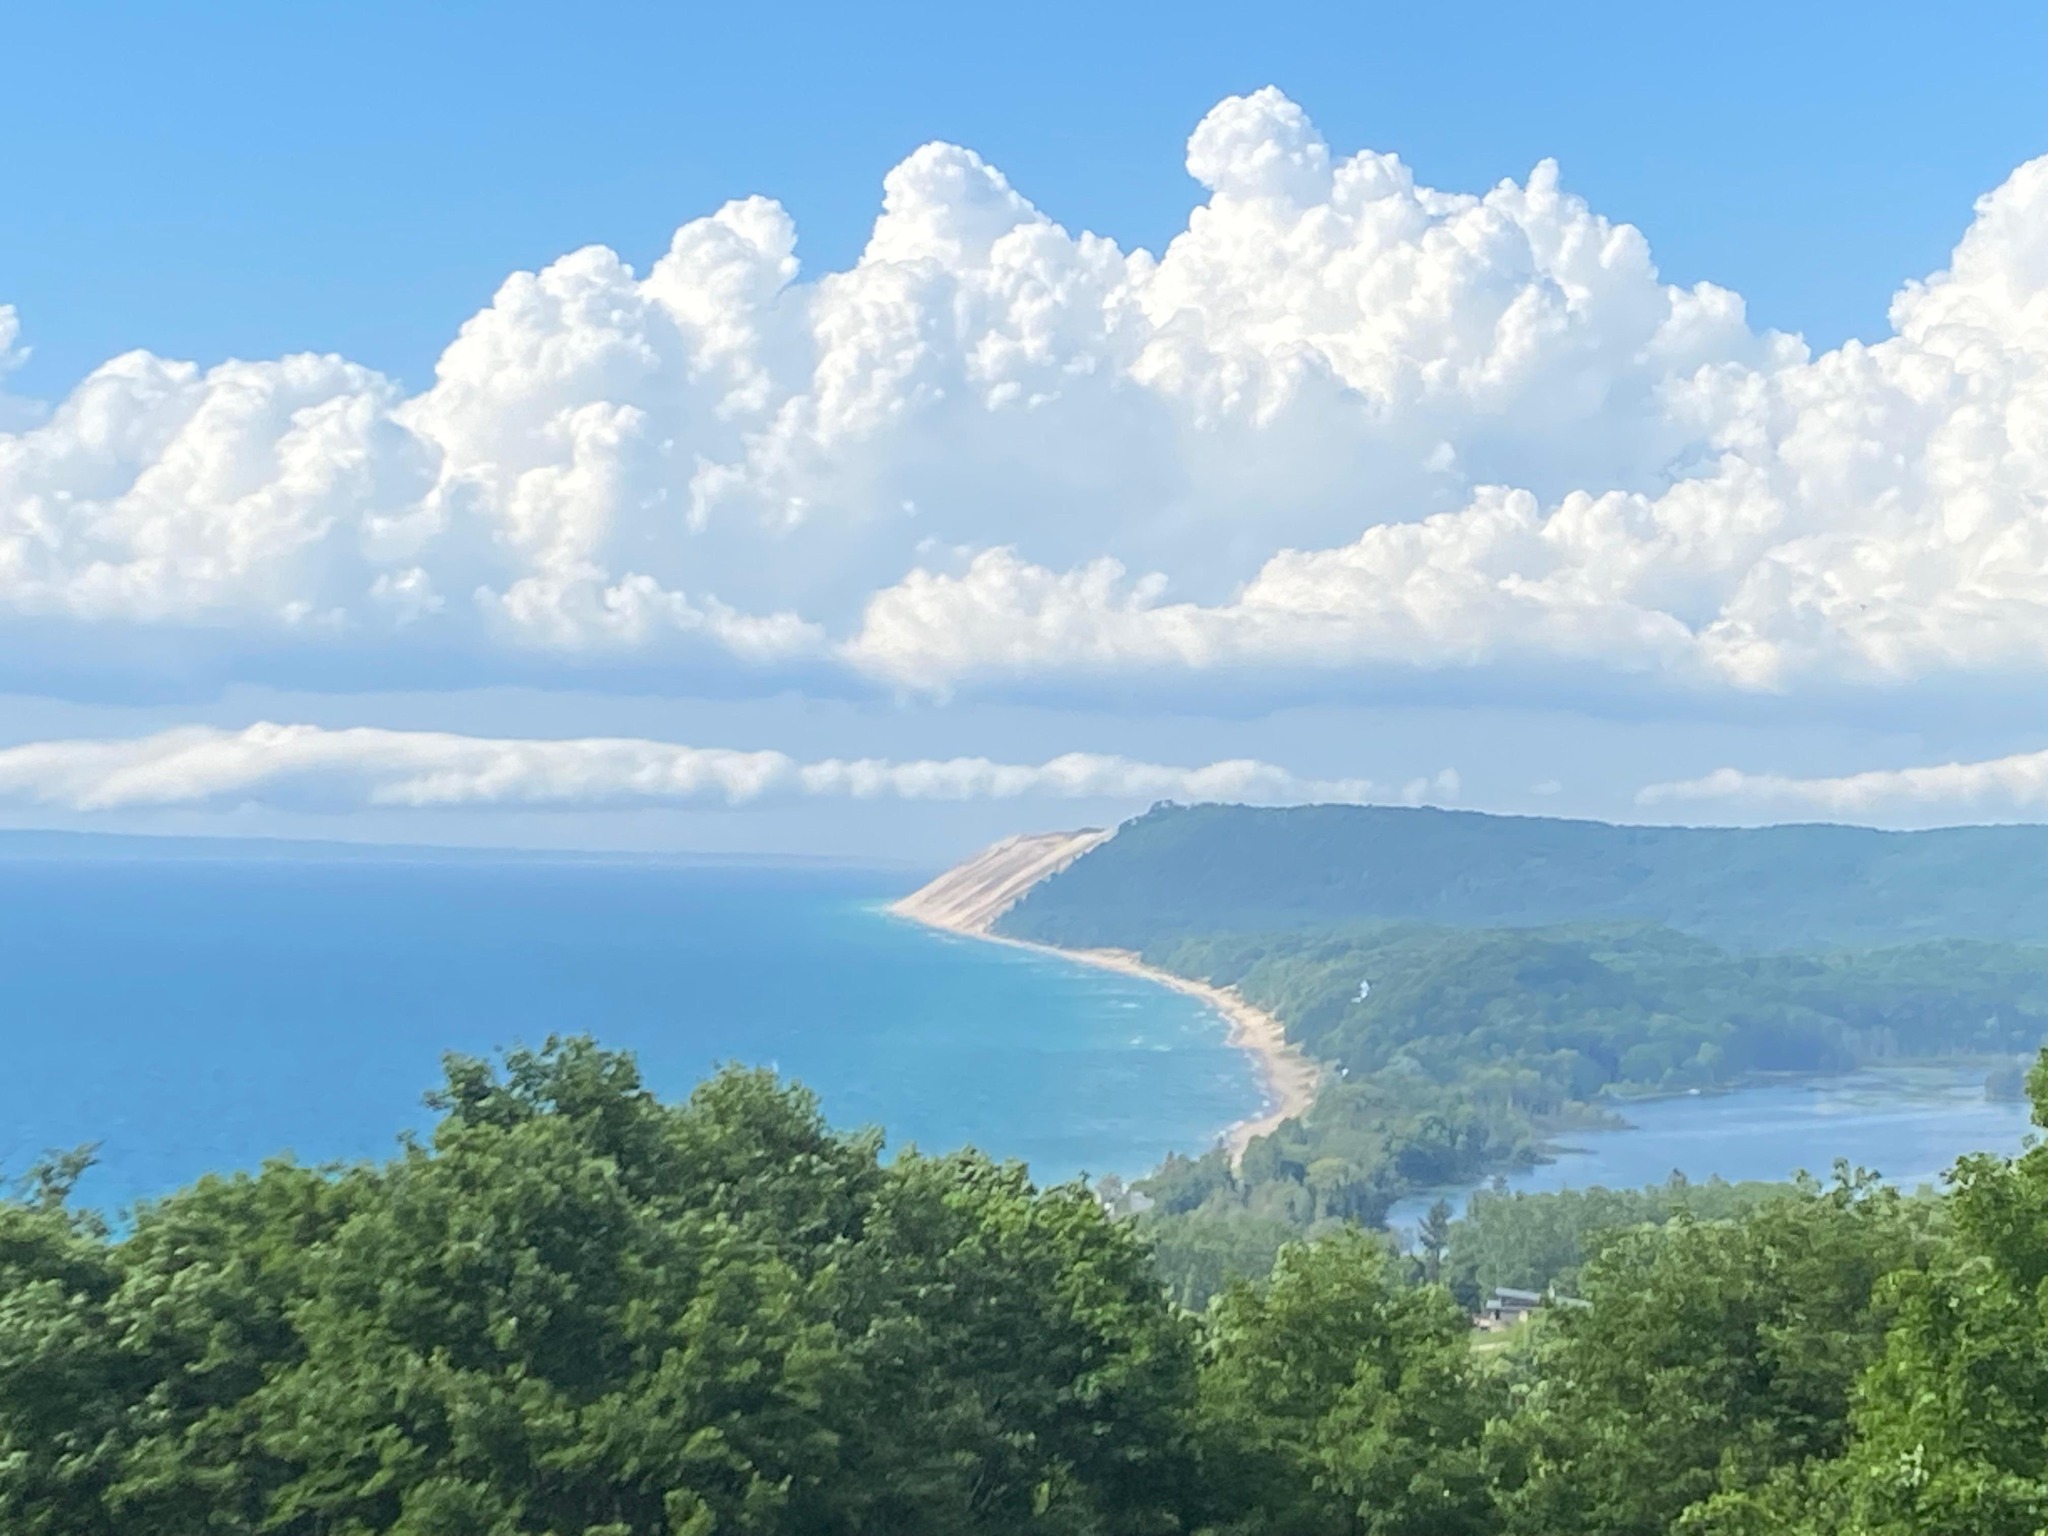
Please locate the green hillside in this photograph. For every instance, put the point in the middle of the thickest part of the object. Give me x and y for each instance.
(1181, 870)
(1474, 1047)
(1527, 976)
(1637, 1008)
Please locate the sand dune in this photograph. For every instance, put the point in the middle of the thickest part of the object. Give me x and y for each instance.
(969, 897)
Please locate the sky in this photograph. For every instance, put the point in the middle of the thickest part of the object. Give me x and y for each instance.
(866, 432)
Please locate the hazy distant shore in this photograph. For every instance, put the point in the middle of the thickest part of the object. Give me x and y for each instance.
(1287, 1078)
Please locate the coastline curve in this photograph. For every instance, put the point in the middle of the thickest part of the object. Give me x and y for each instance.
(968, 899)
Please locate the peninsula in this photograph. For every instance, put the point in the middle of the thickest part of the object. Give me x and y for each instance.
(1435, 997)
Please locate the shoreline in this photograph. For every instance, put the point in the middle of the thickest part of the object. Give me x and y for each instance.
(1287, 1079)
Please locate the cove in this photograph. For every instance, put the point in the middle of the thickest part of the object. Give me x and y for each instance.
(1908, 1124)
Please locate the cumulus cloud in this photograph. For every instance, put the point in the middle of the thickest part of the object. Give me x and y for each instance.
(304, 765)
(1343, 425)
(1997, 786)
(1875, 515)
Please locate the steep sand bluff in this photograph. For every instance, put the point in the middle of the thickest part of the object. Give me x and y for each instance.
(970, 897)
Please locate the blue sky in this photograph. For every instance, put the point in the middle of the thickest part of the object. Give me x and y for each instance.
(984, 493)
(233, 179)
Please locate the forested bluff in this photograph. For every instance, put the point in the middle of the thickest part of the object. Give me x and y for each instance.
(1476, 986)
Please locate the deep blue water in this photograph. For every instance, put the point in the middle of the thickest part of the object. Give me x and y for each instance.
(1908, 1124)
(203, 1013)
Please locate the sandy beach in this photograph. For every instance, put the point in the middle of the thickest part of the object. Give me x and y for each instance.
(1287, 1078)
(970, 897)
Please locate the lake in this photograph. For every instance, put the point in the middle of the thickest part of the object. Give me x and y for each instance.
(192, 1013)
(1908, 1124)
(195, 1010)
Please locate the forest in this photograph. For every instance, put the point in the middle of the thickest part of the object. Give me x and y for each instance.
(576, 1308)
(1457, 1054)
(1182, 870)
(1477, 987)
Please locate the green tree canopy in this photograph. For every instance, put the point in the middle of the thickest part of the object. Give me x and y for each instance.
(579, 1310)
(1339, 1401)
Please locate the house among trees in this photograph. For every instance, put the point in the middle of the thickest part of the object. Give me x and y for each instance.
(1507, 1306)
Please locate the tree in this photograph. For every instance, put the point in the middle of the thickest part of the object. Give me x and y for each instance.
(1336, 1401)
(1533, 1241)
(578, 1309)
(1433, 1237)
(1949, 1425)
(1197, 1256)
(1715, 1356)
(62, 1394)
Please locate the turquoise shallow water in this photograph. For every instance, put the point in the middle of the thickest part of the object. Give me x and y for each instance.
(202, 1013)
(193, 1013)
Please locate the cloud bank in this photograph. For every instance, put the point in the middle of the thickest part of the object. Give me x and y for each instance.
(311, 767)
(1343, 426)
(1997, 786)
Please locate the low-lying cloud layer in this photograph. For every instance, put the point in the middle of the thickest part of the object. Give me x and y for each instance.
(1344, 425)
(1997, 786)
(308, 766)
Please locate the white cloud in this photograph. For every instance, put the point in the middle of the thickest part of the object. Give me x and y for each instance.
(14, 413)
(1875, 515)
(1996, 786)
(1343, 425)
(296, 765)
(1437, 789)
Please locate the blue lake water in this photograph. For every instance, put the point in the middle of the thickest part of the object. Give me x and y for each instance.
(1908, 1124)
(195, 1013)
(192, 1013)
